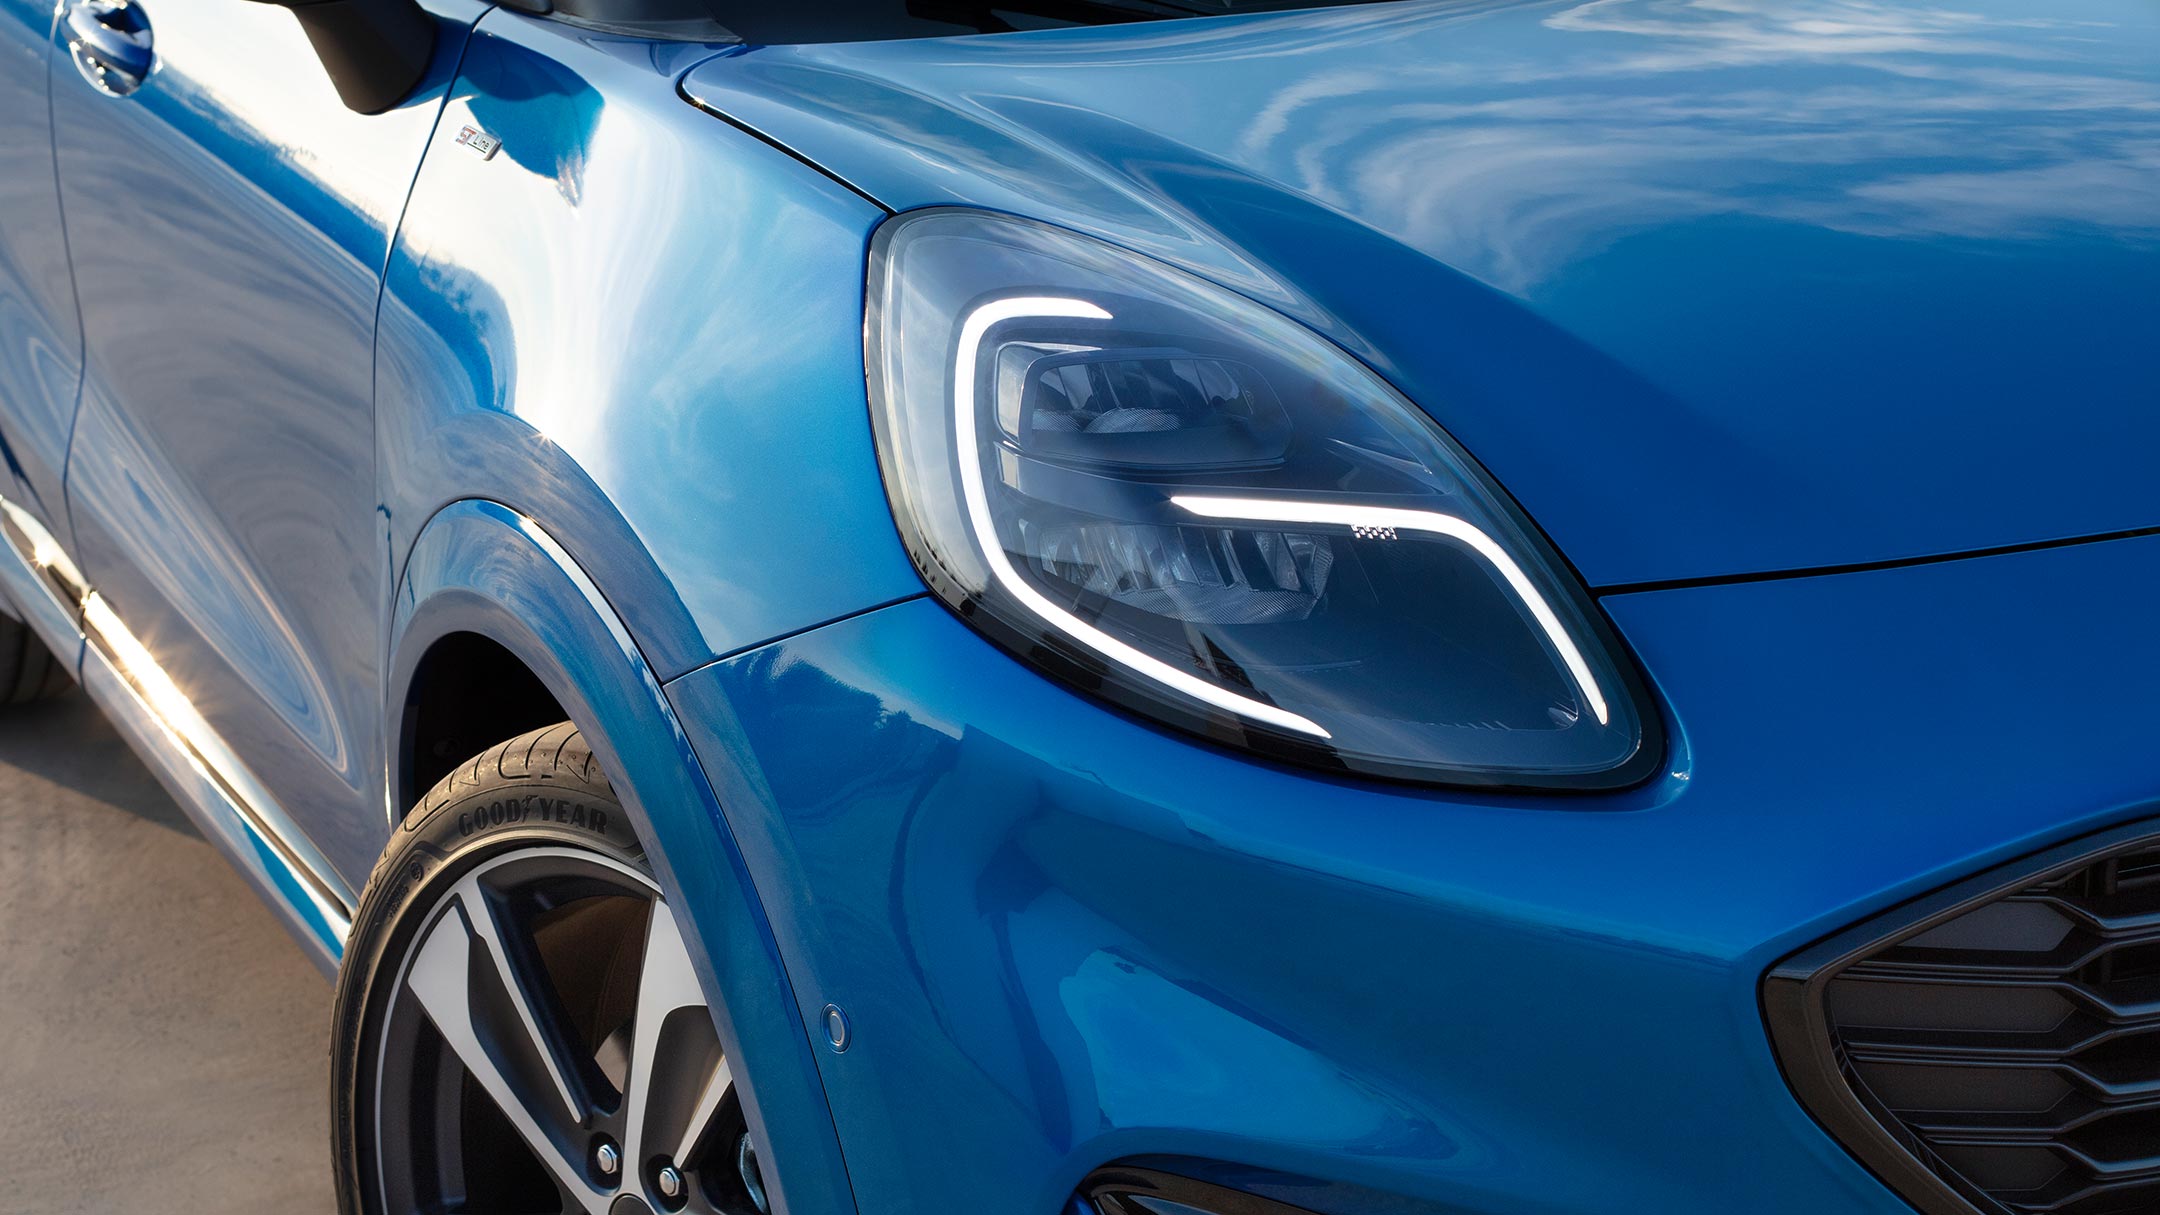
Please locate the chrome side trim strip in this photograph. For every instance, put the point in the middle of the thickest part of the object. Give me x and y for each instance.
(319, 924)
(44, 553)
(45, 586)
(200, 769)
(111, 642)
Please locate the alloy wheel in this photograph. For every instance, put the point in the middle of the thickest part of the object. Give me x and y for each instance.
(546, 1048)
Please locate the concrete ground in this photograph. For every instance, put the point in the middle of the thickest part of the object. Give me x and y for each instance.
(162, 1041)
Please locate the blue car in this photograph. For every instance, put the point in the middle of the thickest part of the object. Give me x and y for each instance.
(1132, 607)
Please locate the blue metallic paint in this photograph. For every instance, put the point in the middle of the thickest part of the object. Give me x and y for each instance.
(646, 328)
(222, 482)
(1082, 939)
(618, 427)
(40, 333)
(1711, 288)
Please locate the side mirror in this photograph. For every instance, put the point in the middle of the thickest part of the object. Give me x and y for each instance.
(376, 51)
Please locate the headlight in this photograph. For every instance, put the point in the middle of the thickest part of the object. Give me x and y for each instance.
(1193, 507)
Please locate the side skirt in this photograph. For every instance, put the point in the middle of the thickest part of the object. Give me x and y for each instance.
(226, 802)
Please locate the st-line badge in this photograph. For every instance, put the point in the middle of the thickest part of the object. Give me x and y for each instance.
(479, 141)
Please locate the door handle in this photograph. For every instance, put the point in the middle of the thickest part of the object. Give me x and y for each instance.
(109, 40)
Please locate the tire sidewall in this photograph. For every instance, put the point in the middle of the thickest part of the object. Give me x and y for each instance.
(459, 827)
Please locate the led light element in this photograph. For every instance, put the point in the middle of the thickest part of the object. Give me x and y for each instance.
(1380, 522)
(971, 482)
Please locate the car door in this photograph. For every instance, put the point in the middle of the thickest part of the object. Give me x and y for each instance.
(40, 345)
(228, 222)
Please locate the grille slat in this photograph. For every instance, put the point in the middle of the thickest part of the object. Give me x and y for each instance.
(2074, 1114)
(2144, 1008)
(2006, 1046)
(2139, 922)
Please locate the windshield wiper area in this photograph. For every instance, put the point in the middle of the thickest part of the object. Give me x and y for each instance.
(1002, 16)
(761, 23)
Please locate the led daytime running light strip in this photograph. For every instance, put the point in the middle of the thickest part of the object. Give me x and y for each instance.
(1266, 510)
(978, 507)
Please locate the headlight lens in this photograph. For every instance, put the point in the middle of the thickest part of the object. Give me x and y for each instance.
(1185, 503)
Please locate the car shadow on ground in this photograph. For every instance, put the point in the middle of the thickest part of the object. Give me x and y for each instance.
(67, 743)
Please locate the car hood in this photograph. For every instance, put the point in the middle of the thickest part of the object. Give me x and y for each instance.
(1714, 287)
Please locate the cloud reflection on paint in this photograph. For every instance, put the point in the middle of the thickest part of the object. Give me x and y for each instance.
(1829, 114)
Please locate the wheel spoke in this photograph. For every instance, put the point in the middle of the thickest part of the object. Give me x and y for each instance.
(717, 1087)
(449, 978)
(675, 1065)
(487, 928)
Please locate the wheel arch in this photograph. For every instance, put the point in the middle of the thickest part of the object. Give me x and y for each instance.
(467, 692)
(483, 581)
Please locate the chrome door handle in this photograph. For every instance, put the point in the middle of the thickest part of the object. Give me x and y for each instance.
(109, 40)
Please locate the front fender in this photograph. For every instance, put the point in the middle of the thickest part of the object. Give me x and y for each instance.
(480, 567)
(643, 327)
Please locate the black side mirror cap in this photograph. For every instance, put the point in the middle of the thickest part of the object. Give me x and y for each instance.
(376, 51)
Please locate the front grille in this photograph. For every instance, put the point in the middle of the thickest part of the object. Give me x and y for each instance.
(1995, 1047)
(1136, 1190)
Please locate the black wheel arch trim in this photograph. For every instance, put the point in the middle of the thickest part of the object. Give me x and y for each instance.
(480, 567)
(1104, 1190)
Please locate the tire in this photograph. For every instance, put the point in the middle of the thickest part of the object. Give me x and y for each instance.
(511, 963)
(28, 671)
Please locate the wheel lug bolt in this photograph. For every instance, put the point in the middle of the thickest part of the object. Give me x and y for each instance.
(607, 1159)
(668, 1181)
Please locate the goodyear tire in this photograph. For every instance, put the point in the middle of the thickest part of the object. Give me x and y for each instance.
(517, 1026)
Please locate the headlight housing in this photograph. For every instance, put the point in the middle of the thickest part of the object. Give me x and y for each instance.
(1180, 501)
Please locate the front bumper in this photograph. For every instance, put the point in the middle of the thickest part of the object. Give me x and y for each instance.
(1065, 938)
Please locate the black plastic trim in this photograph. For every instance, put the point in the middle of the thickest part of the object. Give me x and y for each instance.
(1108, 1191)
(1795, 1012)
(375, 51)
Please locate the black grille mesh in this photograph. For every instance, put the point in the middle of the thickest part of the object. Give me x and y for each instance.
(1135, 1190)
(2013, 1048)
